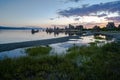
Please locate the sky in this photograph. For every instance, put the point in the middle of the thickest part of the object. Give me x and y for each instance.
(60, 13)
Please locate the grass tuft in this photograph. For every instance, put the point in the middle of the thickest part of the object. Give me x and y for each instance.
(41, 50)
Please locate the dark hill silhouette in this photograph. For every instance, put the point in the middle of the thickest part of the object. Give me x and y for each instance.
(19, 28)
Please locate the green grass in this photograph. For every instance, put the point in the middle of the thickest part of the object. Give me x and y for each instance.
(79, 63)
(41, 50)
(98, 37)
(93, 43)
(50, 67)
(98, 63)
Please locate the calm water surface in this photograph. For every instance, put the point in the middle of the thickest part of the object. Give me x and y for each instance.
(58, 48)
(11, 36)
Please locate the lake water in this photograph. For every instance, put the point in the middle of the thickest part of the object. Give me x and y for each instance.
(59, 48)
(11, 36)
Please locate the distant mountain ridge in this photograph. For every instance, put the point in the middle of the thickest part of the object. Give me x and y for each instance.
(20, 28)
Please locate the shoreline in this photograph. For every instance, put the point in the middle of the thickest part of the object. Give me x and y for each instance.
(115, 35)
(11, 46)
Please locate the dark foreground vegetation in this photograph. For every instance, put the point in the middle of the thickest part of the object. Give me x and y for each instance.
(79, 63)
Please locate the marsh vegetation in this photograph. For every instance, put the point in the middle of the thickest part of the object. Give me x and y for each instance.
(79, 63)
(37, 51)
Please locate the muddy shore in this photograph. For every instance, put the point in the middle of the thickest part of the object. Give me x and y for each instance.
(10, 46)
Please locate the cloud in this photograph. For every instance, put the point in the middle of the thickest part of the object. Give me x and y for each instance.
(66, 1)
(74, 0)
(54, 18)
(109, 7)
(115, 19)
(102, 15)
(77, 19)
(85, 5)
(99, 15)
(51, 18)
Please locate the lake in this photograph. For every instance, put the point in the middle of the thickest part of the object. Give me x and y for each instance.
(11, 36)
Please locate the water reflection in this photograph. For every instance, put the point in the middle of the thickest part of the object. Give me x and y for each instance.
(11, 36)
(58, 48)
(101, 36)
(66, 33)
(33, 31)
(61, 48)
(13, 53)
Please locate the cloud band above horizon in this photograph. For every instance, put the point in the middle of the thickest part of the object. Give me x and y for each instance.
(99, 10)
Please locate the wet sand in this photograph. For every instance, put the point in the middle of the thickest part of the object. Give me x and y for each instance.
(11, 46)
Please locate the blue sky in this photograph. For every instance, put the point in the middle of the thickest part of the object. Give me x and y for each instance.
(47, 13)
